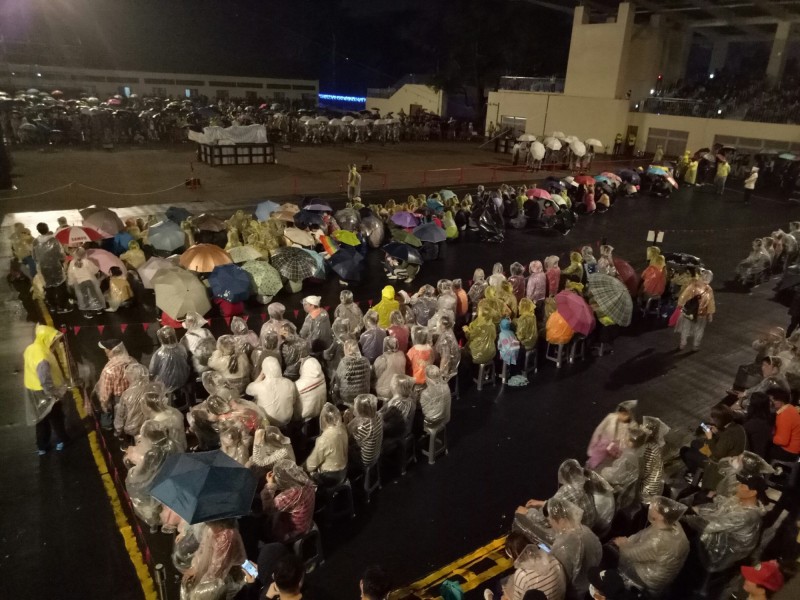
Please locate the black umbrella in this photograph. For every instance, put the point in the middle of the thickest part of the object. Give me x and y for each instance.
(403, 252)
(347, 263)
(306, 218)
(204, 486)
(178, 214)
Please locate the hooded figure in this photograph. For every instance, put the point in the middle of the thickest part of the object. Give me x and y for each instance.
(44, 388)
(399, 330)
(553, 274)
(478, 288)
(267, 347)
(611, 435)
(219, 555)
(342, 331)
(447, 350)
(420, 355)
(311, 390)
(605, 265)
(246, 339)
(170, 363)
(575, 546)
(82, 278)
(435, 398)
(275, 322)
(288, 500)
(517, 280)
(269, 447)
(507, 343)
(316, 329)
(293, 350)
(525, 324)
(653, 557)
(589, 261)
(493, 307)
(230, 360)
(756, 263)
(446, 301)
(233, 441)
(574, 272)
(371, 341)
(327, 462)
(573, 487)
(112, 382)
(654, 278)
(622, 474)
(198, 341)
(352, 376)
(424, 304)
(134, 257)
(129, 413)
(275, 394)
(157, 409)
(392, 362)
(49, 256)
(385, 307)
(536, 288)
(348, 309)
(140, 476)
(366, 429)
(481, 335)
(535, 569)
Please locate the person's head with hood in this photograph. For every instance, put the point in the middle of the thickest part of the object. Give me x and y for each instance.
(133, 246)
(288, 474)
(396, 318)
(659, 262)
(153, 433)
(230, 432)
(155, 400)
(387, 293)
(419, 335)
(497, 269)
(365, 406)
(218, 405)
(274, 438)
(575, 259)
(346, 297)
(78, 256)
(526, 307)
(433, 375)
(444, 286)
(587, 254)
(390, 345)
(113, 347)
(269, 340)
(401, 386)
(562, 515)
(551, 262)
(664, 512)
(707, 276)
(271, 368)
(535, 267)
(341, 329)
(194, 320)
(655, 429)
(311, 370)
(276, 311)
(427, 291)
(136, 374)
(446, 322)
(516, 269)
(166, 336)
(371, 320)
(329, 417)
(570, 473)
(652, 252)
(351, 349)
(794, 226)
(212, 381)
(505, 326)
(478, 275)
(626, 411)
(456, 285)
(606, 251)
(226, 346)
(239, 326)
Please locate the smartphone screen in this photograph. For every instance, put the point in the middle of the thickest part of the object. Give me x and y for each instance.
(545, 547)
(705, 427)
(250, 568)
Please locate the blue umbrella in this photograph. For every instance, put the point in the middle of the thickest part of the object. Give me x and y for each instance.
(230, 282)
(403, 252)
(447, 194)
(656, 170)
(347, 263)
(265, 209)
(166, 236)
(204, 486)
(602, 179)
(434, 204)
(320, 271)
(178, 214)
(629, 176)
(121, 241)
(430, 232)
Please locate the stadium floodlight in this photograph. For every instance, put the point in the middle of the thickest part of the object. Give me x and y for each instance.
(711, 76)
(652, 91)
(719, 111)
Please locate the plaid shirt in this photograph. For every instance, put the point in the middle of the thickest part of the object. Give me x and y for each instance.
(112, 380)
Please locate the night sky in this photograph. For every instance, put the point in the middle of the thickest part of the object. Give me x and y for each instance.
(348, 45)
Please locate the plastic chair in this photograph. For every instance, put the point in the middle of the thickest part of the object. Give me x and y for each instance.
(531, 361)
(577, 348)
(556, 353)
(308, 547)
(437, 441)
(486, 375)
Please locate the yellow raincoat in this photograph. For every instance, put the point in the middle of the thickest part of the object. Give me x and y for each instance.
(38, 351)
(385, 307)
(525, 324)
(481, 337)
(134, 257)
(574, 271)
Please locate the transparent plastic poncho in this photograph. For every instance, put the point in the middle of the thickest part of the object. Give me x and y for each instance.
(424, 307)
(435, 399)
(623, 476)
(129, 414)
(574, 545)
(729, 531)
(170, 363)
(604, 501)
(49, 256)
(221, 549)
(349, 310)
(448, 352)
(543, 566)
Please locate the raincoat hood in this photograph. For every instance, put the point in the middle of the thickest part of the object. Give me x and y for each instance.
(536, 267)
(329, 417)
(526, 307)
(45, 336)
(276, 310)
(387, 293)
(193, 320)
(309, 369)
(238, 326)
(505, 325)
(575, 258)
(270, 368)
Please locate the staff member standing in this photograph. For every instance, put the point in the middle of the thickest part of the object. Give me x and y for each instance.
(750, 184)
(45, 388)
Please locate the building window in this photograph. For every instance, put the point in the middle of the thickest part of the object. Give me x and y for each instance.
(280, 95)
(222, 94)
(191, 92)
(161, 92)
(515, 124)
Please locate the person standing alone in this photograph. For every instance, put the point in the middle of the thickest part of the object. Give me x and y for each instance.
(750, 184)
(45, 389)
(723, 169)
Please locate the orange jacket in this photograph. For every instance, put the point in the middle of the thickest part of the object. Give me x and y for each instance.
(787, 429)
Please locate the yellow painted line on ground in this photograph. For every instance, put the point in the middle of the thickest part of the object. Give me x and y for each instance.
(462, 571)
(120, 519)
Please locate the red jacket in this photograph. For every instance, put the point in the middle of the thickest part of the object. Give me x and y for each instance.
(787, 429)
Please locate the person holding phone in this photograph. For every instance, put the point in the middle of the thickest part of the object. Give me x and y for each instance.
(258, 576)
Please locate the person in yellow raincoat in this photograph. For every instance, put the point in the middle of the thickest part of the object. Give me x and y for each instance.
(134, 257)
(683, 164)
(119, 290)
(385, 307)
(557, 330)
(450, 227)
(525, 324)
(690, 176)
(574, 272)
(45, 389)
(506, 295)
(481, 337)
(494, 308)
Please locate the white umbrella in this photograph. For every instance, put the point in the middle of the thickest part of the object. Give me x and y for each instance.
(537, 150)
(526, 137)
(558, 134)
(571, 138)
(348, 119)
(149, 269)
(552, 144)
(335, 122)
(179, 292)
(598, 145)
(578, 148)
(361, 123)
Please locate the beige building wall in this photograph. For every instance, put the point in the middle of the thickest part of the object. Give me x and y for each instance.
(411, 93)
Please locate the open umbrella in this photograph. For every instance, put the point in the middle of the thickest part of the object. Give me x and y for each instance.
(434, 204)
(166, 236)
(306, 218)
(401, 235)
(294, 264)
(231, 283)
(602, 179)
(283, 215)
(627, 275)
(672, 181)
(179, 292)
(584, 179)
(204, 257)
(538, 193)
(612, 176)
(204, 486)
(265, 209)
(74, 236)
(787, 156)
(346, 237)
(558, 135)
(121, 241)
(105, 260)
(347, 263)
(265, 277)
(630, 176)
(209, 222)
(552, 144)
(348, 218)
(447, 194)
(240, 254)
(526, 137)
(329, 244)
(320, 262)
(318, 207)
(149, 269)
(405, 219)
(594, 142)
(177, 214)
(430, 232)
(576, 312)
(403, 252)
(578, 148)
(289, 207)
(612, 298)
(537, 150)
(657, 170)
(298, 237)
(102, 219)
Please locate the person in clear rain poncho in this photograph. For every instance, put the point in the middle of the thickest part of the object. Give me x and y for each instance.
(112, 382)
(535, 569)
(216, 565)
(478, 288)
(198, 341)
(653, 557)
(371, 341)
(327, 462)
(420, 355)
(275, 394)
(342, 331)
(275, 322)
(268, 346)
(574, 545)
(49, 256)
(611, 435)
(293, 350)
(245, 338)
(435, 398)
(230, 360)
(481, 335)
(158, 409)
(402, 400)
(366, 431)
(170, 363)
(316, 329)
(312, 390)
(623, 472)
(129, 412)
(348, 309)
(233, 440)
(446, 300)
(399, 330)
(392, 362)
(536, 286)
(424, 304)
(140, 476)
(288, 500)
(604, 502)
(269, 447)
(352, 376)
(573, 487)
(448, 352)
(82, 278)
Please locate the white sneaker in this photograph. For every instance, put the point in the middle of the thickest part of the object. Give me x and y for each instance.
(488, 594)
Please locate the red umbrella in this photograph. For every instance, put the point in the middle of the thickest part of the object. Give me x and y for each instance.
(585, 180)
(538, 193)
(627, 275)
(72, 236)
(576, 312)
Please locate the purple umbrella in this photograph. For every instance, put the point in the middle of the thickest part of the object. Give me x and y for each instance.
(405, 219)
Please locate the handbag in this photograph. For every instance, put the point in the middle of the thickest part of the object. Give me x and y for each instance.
(673, 318)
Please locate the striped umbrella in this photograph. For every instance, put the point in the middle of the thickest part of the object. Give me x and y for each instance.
(74, 236)
(612, 298)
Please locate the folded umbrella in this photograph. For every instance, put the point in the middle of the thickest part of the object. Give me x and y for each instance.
(74, 236)
(403, 252)
(149, 269)
(612, 298)
(265, 277)
(294, 264)
(348, 264)
(298, 237)
(204, 257)
(179, 292)
(627, 275)
(265, 209)
(102, 219)
(204, 486)
(401, 235)
(209, 222)
(430, 232)
(166, 236)
(177, 214)
(575, 311)
(105, 260)
(231, 283)
(240, 254)
(346, 237)
(405, 219)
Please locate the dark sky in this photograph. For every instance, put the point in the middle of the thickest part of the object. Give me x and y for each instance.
(347, 44)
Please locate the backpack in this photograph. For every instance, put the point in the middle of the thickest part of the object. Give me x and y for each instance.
(691, 308)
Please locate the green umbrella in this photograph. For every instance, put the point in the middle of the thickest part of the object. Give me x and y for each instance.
(401, 235)
(267, 280)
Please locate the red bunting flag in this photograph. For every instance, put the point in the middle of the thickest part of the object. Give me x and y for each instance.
(123, 327)
(370, 301)
(63, 329)
(327, 308)
(296, 312)
(228, 321)
(145, 326)
(76, 329)
(100, 328)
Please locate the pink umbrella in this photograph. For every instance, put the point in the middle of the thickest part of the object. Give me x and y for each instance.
(576, 312)
(627, 275)
(74, 236)
(612, 176)
(114, 102)
(105, 260)
(538, 193)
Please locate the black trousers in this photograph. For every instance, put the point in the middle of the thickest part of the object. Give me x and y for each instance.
(53, 423)
(747, 194)
(57, 297)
